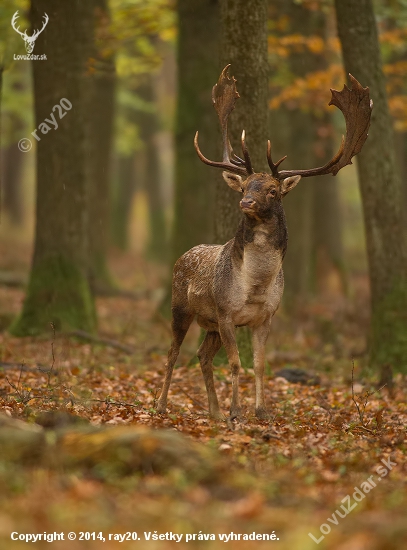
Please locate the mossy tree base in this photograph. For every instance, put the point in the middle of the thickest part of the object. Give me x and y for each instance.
(57, 293)
(389, 330)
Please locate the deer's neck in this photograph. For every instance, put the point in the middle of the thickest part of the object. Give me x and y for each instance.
(266, 235)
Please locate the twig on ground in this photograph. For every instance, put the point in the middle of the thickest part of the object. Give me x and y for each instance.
(230, 424)
(155, 393)
(49, 373)
(326, 406)
(7, 365)
(107, 401)
(24, 396)
(364, 429)
(267, 436)
(361, 409)
(100, 340)
(353, 394)
(198, 403)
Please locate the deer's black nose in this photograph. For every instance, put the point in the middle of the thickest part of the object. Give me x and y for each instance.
(247, 203)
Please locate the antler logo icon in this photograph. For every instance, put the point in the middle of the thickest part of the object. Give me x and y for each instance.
(29, 40)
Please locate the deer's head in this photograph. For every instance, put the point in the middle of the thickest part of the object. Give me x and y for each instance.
(261, 190)
(29, 40)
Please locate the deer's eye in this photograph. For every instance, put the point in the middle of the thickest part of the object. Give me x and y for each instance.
(272, 193)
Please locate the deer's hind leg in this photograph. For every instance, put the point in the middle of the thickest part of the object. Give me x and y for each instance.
(181, 321)
(207, 351)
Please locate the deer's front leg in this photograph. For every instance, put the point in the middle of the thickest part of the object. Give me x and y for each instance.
(259, 340)
(228, 335)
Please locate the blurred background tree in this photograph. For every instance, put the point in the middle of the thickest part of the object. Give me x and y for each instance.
(197, 71)
(381, 190)
(15, 115)
(304, 131)
(58, 292)
(99, 136)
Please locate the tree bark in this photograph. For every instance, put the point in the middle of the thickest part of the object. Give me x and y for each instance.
(314, 248)
(244, 46)
(298, 207)
(327, 247)
(380, 189)
(194, 189)
(197, 73)
(58, 290)
(148, 125)
(100, 116)
(403, 139)
(123, 196)
(12, 165)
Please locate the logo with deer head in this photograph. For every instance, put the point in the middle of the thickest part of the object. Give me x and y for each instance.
(29, 40)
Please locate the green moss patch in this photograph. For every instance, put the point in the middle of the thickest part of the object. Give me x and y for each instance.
(57, 293)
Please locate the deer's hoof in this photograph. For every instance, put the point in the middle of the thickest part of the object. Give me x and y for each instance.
(218, 416)
(235, 412)
(161, 409)
(262, 414)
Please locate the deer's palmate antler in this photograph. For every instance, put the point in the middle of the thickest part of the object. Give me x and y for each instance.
(241, 282)
(354, 103)
(224, 96)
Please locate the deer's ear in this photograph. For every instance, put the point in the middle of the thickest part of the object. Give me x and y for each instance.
(288, 183)
(234, 181)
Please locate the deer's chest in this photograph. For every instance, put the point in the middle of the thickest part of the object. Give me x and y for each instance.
(258, 290)
(260, 265)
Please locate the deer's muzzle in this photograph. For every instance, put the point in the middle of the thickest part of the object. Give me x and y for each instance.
(247, 204)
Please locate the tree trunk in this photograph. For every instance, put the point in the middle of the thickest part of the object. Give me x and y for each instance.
(329, 275)
(401, 157)
(380, 189)
(1, 134)
(123, 197)
(314, 239)
(58, 290)
(197, 73)
(99, 147)
(148, 125)
(298, 207)
(12, 165)
(244, 45)
(327, 247)
(194, 193)
(403, 137)
(12, 162)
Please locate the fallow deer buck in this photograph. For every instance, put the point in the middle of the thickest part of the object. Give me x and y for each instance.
(241, 283)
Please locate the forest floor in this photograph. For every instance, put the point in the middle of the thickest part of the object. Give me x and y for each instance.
(289, 476)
